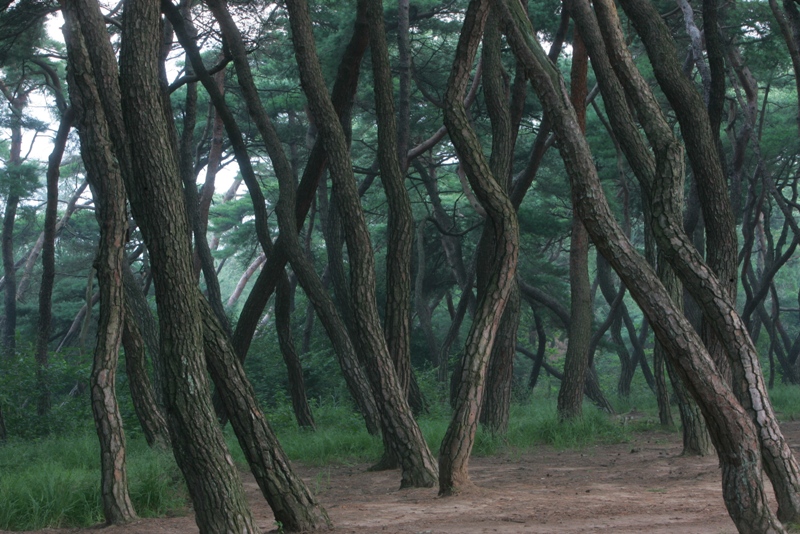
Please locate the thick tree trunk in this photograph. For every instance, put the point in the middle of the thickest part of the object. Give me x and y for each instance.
(734, 434)
(400, 233)
(288, 496)
(709, 288)
(400, 432)
(156, 198)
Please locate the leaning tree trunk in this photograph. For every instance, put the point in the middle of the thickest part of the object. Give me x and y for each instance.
(400, 430)
(734, 434)
(504, 229)
(700, 279)
(156, 198)
(283, 324)
(104, 176)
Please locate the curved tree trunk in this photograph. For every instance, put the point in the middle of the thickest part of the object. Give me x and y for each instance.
(105, 177)
(503, 229)
(497, 402)
(734, 434)
(400, 430)
(708, 284)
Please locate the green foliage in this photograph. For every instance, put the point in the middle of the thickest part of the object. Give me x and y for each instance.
(66, 378)
(55, 482)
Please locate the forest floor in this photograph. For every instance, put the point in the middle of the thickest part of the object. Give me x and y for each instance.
(643, 485)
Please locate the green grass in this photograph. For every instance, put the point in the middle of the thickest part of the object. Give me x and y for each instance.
(55, 482)
(341, 437)
(786, 401)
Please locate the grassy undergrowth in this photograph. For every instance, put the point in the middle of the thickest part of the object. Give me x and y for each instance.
(54, 482)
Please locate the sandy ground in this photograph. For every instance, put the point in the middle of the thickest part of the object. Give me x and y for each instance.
(643, 486)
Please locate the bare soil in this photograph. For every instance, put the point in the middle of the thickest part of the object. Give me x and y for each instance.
(640, 486)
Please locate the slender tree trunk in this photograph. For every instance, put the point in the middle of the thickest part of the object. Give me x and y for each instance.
(297, 388)
(49, 263)
(17, 104)
(400, 431)
(152, 421)
(37, 249)
(576, 361)
(288, 213)
(104, 176)
(497, 402)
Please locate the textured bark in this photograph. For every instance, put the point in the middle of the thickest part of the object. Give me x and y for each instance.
(733, 431)
(105, 178)
(400, 232)
(152, 421)
(576, 361)
(342, 96)
(288, 496)
(288, 219)
(48, 251)
(710, 292)
(497, 402)
(400, 432)
(502, 223)
(156, 198)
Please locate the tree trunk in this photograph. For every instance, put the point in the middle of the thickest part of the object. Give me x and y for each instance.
(288, 496)
(156, 198)
(152, 421)
(497, 403)
(297, 388)
(734, 434)
(709, 287)
(400, 432)
(288, 214)
(49, 263)
(12, 201)
(576, 361)
(400, 232)
(103, 174)
(503, 228)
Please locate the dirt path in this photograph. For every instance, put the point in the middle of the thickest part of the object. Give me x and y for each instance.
(641, 486)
